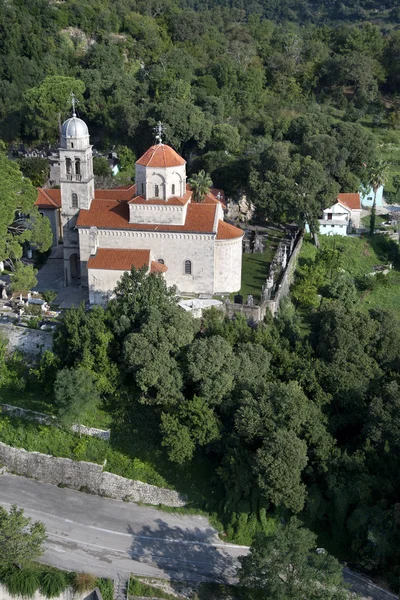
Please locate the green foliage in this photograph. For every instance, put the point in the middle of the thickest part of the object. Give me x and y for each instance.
(37, 169)
(20, 539)
(49, 296)
(200, 185)
(106, 587)
(286, 566)
(23, 582)
(101, 167)
(140, 588)
(52, 583)
(75, 392)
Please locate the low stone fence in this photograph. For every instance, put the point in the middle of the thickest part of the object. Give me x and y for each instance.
(84, 476)
(16, 411)
(257, 312)
(67, 594)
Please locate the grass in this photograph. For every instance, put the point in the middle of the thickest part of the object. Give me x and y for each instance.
(139, 588)
(255, 267)
(358, 258)
(378, 221)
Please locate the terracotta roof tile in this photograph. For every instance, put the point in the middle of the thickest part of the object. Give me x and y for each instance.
(114, 214)
(174, 201)
(48, 198)
(227, 231)
(157, 267)
(114, 259)
(216, 196)
(352, 201)
(160, 155)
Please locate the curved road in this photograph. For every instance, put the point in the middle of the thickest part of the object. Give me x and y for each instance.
(108, 537)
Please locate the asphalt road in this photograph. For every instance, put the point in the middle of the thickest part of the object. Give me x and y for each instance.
(108, 537)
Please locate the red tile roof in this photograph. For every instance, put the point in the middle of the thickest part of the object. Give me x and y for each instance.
(119, 260)
(114, 214)
(48, 198)
(161, 155)
(352, 201)
(174, 201)
(157, 267)
(216, 196)
(228, 232)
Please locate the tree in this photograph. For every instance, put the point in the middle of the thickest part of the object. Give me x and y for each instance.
(50, 102)
(285, 566)
(37, 169)
(378, 177)
(126, 158)
(101, 168)
(20, 221)
(75, 393)
(21, 541)
(200, 185)
(23, 278)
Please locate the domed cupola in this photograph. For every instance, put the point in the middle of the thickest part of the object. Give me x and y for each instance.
(74, 134)
(160, 172)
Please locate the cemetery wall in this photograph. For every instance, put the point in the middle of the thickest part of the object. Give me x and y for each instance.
(257, 313)
(84, 476)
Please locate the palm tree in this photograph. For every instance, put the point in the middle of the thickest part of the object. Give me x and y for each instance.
(378, 177)
(200, 185)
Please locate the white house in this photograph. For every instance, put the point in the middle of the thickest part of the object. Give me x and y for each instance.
(341, 217)
(153, 223)
(367, 197)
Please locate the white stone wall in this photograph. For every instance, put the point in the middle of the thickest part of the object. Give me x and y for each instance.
(101, 283)
(228, 266)
(173, 248)
(327, 228)
(148, 177)
(156, 214)
(68, 594)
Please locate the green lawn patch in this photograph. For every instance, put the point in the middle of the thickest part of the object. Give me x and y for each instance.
(255, 267)
(139, 588)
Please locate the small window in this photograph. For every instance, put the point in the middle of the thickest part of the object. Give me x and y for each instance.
(68, 165)
(329, 216)
(72, 144)
(78, 166)
(74, 198)
(173, 189)
(188, 267)
(156, 191)
(142, 188)
(161, 261)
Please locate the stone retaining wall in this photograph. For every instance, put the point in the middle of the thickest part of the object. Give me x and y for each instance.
(16, 411)
(67, 594)
(84, 476)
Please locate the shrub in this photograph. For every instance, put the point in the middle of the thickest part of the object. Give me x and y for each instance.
(53, 583)
(106, 587)
(49, 296)
(23, 582)
(84, 582)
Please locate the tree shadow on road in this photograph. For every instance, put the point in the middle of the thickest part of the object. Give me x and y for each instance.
(182, 554)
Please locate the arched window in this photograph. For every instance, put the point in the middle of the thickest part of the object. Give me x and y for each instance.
(77, 168)
(173, 189)
(161, 261)
(156, 191)
(74, 200)
(68, 165)
(188, 267)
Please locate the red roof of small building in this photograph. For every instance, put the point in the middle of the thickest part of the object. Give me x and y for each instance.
(157, 267)
(114, 214)
(113, 259)
(48, 198)
(161, 155)
(352, 201)
(216, 196)
(227, 231)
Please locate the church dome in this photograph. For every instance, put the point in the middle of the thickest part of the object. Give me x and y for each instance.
(161, 156)
(74, 127)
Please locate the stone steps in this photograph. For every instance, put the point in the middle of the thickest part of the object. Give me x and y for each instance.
(121, 583)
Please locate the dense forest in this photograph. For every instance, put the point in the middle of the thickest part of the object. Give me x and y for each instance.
(268, 105)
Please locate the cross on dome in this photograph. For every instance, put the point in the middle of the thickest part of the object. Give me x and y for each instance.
(159, 129)
(74, 101)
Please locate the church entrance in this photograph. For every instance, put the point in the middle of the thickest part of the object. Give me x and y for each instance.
(74, 266)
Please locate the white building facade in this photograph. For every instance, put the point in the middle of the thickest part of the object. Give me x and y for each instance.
(154, 224)
(342, 217)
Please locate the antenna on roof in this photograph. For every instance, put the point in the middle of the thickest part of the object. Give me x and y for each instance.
(74, 102)
(159, 129)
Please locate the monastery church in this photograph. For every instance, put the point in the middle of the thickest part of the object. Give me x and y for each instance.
(153, 223)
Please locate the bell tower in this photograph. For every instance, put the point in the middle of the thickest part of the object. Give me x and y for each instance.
(77, 187)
